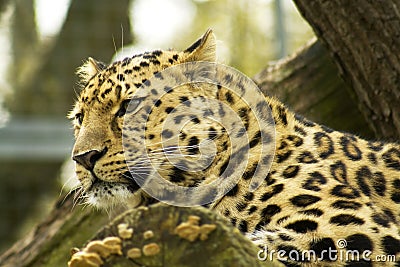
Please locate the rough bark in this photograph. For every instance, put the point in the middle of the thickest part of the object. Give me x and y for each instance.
(363, 37)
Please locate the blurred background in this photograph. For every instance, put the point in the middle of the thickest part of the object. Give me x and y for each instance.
(42, 42)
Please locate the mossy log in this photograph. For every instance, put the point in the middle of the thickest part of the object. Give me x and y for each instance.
(51, 243)
(170, 240)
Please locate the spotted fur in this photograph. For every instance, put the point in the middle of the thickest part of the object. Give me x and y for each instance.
(323, 185)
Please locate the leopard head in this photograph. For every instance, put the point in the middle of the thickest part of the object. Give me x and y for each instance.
(98, 118)
(160, 116)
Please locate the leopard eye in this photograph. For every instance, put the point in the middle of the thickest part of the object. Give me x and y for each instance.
(79, 118)
(131, 104)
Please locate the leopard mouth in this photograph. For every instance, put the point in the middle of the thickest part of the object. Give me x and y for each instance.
(124, 191)
(129, 181)
(105, 195)
(133, 186)
(95, 181)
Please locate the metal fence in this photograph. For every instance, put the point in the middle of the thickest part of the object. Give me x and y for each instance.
(36, 139)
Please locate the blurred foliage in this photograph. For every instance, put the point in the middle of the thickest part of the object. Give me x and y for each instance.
(47, 74)
(247, 30)
(43, 71)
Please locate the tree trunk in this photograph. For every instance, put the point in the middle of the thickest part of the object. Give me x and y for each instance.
(363, 37)
(3, 5)
(24, 39)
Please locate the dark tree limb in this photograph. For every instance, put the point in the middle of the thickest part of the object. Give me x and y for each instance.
(363, 37)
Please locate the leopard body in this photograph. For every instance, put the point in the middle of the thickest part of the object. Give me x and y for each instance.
(323, 185)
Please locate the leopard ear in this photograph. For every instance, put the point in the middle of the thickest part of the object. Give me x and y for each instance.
(89, 69)
(203, 49)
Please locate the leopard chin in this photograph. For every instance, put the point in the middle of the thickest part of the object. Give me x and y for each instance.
(108, 196)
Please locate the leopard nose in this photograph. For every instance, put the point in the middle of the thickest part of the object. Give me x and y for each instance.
(89, 159)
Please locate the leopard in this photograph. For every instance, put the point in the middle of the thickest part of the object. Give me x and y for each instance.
(323, 187)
